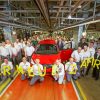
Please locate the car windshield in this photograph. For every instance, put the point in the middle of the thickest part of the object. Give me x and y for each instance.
(46, 49)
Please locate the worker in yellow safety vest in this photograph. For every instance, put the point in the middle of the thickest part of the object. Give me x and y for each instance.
(58, 71)
(71, 70)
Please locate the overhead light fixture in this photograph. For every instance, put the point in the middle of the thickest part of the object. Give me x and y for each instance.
(62, 22)
(15, 19)
(69, 17)
(79, 6)
(86, 23)
(84, 33)
(14, 32)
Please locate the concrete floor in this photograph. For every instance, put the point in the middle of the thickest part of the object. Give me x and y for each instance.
(90, 87)
(47, 90)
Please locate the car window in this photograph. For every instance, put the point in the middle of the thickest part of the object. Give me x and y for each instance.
(46, 49)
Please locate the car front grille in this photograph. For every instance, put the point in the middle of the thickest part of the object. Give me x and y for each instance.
(47, 65)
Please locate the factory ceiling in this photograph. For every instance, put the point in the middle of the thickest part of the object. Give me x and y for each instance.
(47, 14)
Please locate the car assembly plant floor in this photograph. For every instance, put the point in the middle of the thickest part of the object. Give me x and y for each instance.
(48, 90)
(82, 89)
(90, 87)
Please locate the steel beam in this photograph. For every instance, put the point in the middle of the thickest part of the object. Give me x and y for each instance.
(15, 0)
(43, 10)
(76, 5)
(37, 11)
(54, 18)
(66, 0)
(19, 11)
(4, 23)
(84, 22)
(61, 4)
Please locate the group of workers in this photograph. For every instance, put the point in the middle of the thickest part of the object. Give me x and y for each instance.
(58, 70)
(13, 53)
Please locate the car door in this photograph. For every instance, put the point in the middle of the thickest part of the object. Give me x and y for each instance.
(65, 54)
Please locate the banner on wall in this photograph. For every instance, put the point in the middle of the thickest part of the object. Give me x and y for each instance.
(7, 33)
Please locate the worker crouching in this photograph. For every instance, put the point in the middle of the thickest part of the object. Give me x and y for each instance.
(7, 69)
(24, 65)
(58, 71)
(71, 70)
(37, 69)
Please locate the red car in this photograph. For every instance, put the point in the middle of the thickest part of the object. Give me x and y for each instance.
(48, 52)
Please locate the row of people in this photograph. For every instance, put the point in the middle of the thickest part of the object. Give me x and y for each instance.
(15, 51)
(58, 70)
(80, 55)
(72, 68)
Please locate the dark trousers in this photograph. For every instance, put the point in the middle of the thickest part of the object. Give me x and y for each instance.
(29, 58)
(8, 76)
(35, 79)
(0, 76)
(15, 60)
(96, 72)
(19, 55)
(88, 68)
(78, 66)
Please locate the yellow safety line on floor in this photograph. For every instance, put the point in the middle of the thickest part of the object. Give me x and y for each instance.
(75, 90)
(5, 83)
(8, 85)
(83, 95)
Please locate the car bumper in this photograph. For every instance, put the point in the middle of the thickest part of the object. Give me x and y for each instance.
(48, 67)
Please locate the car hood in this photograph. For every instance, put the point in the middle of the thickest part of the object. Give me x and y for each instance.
(46, 59)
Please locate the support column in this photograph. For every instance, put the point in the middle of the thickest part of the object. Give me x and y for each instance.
(80, 31)
(75, 37)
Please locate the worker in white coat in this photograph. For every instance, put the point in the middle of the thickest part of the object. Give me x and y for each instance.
(59, 71)
(37, 70)
(24, 64)
(7, 69)
(29, 51)
(85, 54)
(71, 70)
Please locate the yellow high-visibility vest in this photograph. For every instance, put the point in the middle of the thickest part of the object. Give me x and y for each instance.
(40, 73)
(73, 71)
(6, 70)
(54, 69)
